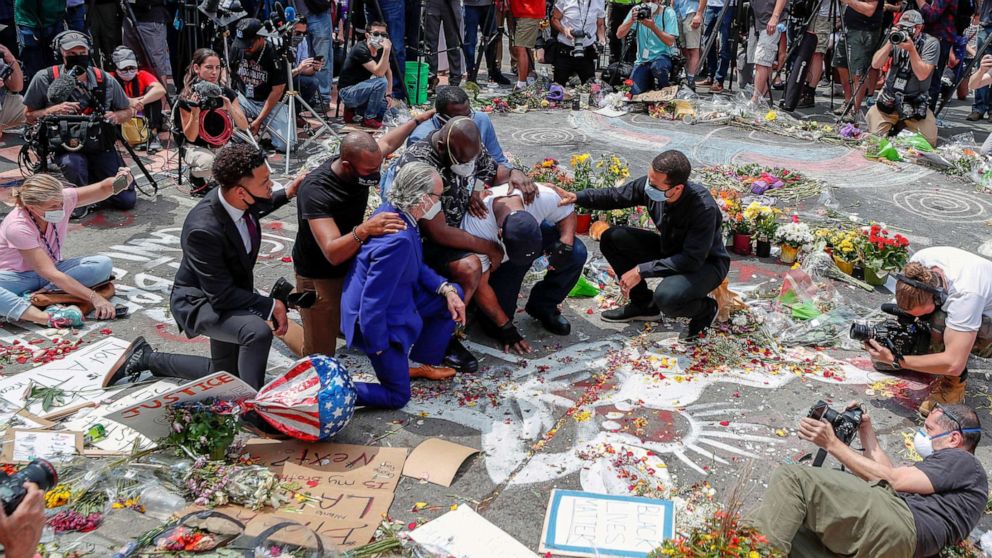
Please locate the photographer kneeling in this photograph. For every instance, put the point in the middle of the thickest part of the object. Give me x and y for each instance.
(581, 25)
(902, 102)
(657, 30)
(949, 290)
(884, 510)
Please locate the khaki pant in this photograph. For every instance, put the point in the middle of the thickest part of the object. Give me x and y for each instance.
(322, 321)
(12, 112)
(879, 123)
(198, 159)
(821, 512)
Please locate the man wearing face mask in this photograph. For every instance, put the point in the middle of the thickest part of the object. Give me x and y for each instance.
(306, 74)
(366, 81)
(95, 93)
(882, 510)
(330, 209)
(687, 251)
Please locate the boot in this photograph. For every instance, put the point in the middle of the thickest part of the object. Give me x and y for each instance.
(807, 98)
(945, 390)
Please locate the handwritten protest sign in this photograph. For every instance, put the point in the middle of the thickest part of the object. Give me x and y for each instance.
(150, 416)
(336, 504)
(462, 533)
(21, 446)
(337, 534)
(343, 466)
(119, 438)
(587, 524)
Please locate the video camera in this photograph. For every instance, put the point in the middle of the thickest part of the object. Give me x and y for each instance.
(12, 490)
(210, 95)
(904, 335)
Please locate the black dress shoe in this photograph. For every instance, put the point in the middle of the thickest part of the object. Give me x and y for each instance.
(133, 362)
(700, 323)
(555, 323)
(459, 358)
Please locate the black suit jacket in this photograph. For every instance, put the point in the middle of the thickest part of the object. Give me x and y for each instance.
(216, 275)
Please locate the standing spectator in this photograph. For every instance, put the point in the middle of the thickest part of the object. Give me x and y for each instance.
(145, 93)
(690, 14)
(852, 58)
(527, 26)
(618, 11)
(656, 38)
(588, 17)
(938, 16)
(763, 43)
(152, 43)
(106, 24)
(981, 105)
(75, 15)
(715, 75)
(481, 14)
(366, 80)
(446, 14)
(320, 31)
(261, 80)
(38, 22)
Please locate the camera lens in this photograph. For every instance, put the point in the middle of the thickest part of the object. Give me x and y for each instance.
(862, 332)
(12, 490)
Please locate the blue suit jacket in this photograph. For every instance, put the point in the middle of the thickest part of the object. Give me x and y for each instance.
(380, 292)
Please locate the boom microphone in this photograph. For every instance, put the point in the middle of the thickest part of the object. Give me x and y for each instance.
(61, 88)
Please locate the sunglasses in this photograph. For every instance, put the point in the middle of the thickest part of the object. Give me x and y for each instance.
(378, 34)
(949, 415)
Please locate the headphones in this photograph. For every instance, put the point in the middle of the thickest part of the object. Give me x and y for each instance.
(939, 294)
(58, 39)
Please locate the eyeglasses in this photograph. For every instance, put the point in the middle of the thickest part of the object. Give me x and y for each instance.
(377, 34)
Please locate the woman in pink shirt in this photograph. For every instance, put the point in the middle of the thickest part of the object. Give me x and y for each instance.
(31, 238)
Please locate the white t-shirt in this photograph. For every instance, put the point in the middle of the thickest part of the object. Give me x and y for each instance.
(544, 208)
(969, 285)
(580, 14)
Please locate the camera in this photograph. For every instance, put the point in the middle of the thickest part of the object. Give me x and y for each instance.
(5, 70)
(283, 291)
(898, 36)
(643, 11)
(578, 51)
(210, 94)
(845, 424)
(903, 335)
(12, 490)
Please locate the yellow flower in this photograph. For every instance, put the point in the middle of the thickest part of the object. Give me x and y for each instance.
(579, 159)
(753, 554)
(770, 116)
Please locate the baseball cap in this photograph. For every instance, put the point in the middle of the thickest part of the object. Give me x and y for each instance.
(910, 18)
(73, 39)
(522, 237)
(248, 29)
(124, 57)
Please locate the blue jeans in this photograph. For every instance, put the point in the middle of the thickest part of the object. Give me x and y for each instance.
(394, 14)
(276, 122)
(36, 48)
(549, 292)
(652, 75)
(320, 29)
(476, 17)
(981, 103)
(88, 270)
(309, 89)
(82, 170)
(75, 18)
(369, 96)
(709, 25)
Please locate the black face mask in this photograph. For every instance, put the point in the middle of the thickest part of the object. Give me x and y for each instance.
(369, 180)
(297, 39)
(77, 60)
(263, 205)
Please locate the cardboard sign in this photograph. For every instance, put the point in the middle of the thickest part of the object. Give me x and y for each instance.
(587, 524)
(437, 461)
(150, 416)
(22, 446)
(342, 466)
(345, 505)
(79, 375)
(120, 439)
(462, 533)
(335, 534)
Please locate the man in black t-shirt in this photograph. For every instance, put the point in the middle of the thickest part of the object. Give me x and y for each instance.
(260, 78)
(884, 510)
(366, 82)
(331, 207)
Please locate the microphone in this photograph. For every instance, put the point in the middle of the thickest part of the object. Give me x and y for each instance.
(290, 13)
(61, 88)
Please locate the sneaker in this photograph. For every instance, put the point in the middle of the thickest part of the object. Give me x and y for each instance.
(716, 88)
(945, 390)
(708, 82)
(631, 311)
(131, 364)
(700, 323)
(349, 115)
(199, 186)
(64, 317)
(80, 212)
(373, 123)
(154, 146)
(839, 111)
(806, 99)
(500, 79)
(975, 116)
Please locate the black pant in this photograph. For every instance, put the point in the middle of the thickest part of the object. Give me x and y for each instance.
(678, 296)
(106, 26)
(239, 344)
(153, 111)
(566, 64)
(618, 12)
(938, 72)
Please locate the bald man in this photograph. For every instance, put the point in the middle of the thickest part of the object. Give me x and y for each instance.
(457, 153)
(331, 207)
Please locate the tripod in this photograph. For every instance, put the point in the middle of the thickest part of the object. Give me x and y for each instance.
(966, 73)
(487, 41)
(428, 51)
(802, 49)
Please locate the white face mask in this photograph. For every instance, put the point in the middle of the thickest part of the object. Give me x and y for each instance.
(54, 216)
(432, 212)
(128, 75)
(464, 170)
(924, 443)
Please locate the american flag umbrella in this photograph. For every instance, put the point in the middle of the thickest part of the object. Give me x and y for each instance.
(312, 401)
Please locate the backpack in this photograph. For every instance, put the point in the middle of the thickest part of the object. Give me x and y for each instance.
(962, 16)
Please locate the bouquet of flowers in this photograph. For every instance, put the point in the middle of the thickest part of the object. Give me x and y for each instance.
(721, 537)
(215, 483)
(203, 428)
(762, 220)
(794, 234)
(843, 242)
(550, 171)
(879, 251)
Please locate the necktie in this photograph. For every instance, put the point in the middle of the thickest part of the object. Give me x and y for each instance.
(252, 232)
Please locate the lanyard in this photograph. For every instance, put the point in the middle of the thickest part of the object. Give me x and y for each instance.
(44, 239)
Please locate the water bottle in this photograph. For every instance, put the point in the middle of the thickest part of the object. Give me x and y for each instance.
(781, 27)
(159, 502)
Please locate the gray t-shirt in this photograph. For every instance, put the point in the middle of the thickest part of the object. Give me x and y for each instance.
(36, 96)
(961, 489)
(929, 52)
(763, 10)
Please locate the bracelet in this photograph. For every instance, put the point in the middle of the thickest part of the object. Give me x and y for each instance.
(357, 238)
(93, 296)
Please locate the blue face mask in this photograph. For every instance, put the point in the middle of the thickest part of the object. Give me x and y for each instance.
(654, 194)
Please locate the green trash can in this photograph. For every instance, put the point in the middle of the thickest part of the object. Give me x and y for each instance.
(416, 82)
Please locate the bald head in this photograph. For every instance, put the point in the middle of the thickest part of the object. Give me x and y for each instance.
(360, 155)
(459, 138)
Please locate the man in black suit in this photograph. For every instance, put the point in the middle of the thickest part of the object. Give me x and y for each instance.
(213, 293)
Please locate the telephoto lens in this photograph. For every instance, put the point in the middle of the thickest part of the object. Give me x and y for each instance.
(12, 489)
(898, 36)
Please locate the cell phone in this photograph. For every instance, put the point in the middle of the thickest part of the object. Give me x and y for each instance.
(121, 183)
(319, 58)
(121, 311)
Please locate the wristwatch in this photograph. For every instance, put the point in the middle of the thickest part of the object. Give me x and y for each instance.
(896, 357)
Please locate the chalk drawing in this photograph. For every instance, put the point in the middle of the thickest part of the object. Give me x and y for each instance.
(940, 204)
(548, 136)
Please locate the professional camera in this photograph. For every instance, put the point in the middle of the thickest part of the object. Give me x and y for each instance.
(12, 490)
(210, 94)
(283, 290)
(643, 11)
(904, 335)
(898, 36)
(578, 51)
(5, 70)
(845, 424)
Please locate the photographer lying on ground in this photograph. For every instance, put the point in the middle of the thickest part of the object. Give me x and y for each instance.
(902, 102)
(887, 510)
(951, 290)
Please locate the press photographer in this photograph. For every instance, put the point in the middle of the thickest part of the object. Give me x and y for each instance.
(948, 290)
(882, 509)
(22, 515)
(903, 100)
(11, 85)
(84, 149)
(657, 30)
(260, 78)
(581, 27)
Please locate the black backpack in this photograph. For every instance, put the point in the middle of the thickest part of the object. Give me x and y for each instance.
(962, 17)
